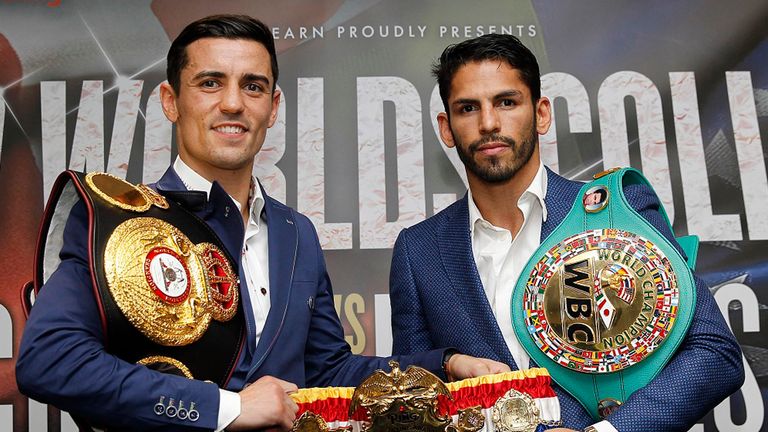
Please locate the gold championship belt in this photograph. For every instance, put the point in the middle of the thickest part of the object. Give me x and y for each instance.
(166, 288)
(417, 400)
(605, 308)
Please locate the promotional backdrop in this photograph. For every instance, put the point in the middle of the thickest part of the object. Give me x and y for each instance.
(676, 89)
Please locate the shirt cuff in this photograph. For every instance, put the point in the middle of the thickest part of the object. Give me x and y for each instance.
(229, 409)
(604, 426)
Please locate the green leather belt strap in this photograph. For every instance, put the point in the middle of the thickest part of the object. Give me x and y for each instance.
(611, 253)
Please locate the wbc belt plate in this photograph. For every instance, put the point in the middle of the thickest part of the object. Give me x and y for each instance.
(606, 299)
(601, 300)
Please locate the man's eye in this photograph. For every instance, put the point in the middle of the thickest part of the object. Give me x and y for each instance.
(467, 108)
(209, 84)
(253, 87)
(507, 102)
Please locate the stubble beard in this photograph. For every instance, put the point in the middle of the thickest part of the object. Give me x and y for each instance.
(495, 169)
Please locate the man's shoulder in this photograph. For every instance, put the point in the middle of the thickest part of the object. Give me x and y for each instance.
(299, 218)
(430, 225)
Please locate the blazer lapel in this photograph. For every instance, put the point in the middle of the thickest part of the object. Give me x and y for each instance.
(560, 198)
(455, 246)
(283, 248)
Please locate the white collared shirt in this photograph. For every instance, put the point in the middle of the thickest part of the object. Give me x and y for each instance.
(500, 264)
(255, 264)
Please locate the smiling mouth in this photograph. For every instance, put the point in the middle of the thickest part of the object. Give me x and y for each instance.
(230, 129)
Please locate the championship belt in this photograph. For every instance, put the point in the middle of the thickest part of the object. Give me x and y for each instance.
(417, 400)
(165, 285)
(607, 299)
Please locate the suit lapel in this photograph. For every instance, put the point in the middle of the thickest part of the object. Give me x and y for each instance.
(560, 198)
(455, 246)
(283, 247)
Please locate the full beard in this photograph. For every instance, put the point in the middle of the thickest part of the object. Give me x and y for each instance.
(495, 169)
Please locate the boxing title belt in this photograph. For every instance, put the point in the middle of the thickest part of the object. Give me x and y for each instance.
(417, 400)
(166, 288)
(607, 298)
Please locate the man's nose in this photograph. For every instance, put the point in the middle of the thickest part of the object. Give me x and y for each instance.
(489, 121)
(232, 99)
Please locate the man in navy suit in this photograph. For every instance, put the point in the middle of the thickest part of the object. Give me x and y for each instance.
(222, 96)
(452, 275)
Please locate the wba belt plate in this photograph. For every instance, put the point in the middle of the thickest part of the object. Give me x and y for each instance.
(606, 299)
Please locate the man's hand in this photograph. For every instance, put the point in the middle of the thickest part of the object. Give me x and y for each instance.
(266, 404)
(462, 366)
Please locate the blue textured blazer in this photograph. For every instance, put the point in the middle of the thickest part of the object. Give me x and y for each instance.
(438, 300)
(62, 360)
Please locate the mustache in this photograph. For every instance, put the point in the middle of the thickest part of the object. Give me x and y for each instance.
(492, 138)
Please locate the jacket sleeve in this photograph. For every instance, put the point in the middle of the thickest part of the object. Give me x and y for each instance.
(410, 332)
(63, 362)
(707, 367)
(329, 360)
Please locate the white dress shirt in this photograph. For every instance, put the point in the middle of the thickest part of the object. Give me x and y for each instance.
(500, 260)
(255, 264)
(500, 264)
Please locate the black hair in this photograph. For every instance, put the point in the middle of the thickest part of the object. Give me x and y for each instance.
(492, 46)
(218, 26)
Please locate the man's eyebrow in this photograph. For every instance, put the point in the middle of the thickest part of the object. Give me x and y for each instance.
(464, 101)
(208, 74)
(500, 95)
(509, 93)
(256, 77)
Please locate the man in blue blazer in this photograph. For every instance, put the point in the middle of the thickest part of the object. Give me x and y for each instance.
(222, 96)
(452, 275)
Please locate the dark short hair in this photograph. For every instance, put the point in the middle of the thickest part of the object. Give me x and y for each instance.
(492, 46)
(218, 26)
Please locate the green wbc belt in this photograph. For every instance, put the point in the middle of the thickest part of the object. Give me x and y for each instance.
(606, 299)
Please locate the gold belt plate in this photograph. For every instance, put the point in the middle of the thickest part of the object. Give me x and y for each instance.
(165, 285)
(601, 300)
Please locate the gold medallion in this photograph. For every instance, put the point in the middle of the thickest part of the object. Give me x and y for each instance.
(124, 195)
(407, 401)
(515, 412)
(601, 300)
(221, 282)
(167, 287)
(118, 192)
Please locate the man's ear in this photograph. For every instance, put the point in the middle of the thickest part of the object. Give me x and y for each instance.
(444, 124)
(168, 101)
(543, 115)
(275, 105)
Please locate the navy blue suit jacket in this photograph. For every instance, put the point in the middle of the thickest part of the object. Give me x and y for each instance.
(438, 300)
(63, 362)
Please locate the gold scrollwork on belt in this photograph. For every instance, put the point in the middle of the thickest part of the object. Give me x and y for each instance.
(166, 286)
(515, 412)
(155, 362)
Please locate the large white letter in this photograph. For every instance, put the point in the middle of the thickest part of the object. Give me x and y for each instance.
(158, 135)
(375, 231)
(53, 123)
(650, 125)
(310, 160)
(749, 150)
(693, 167)
(272, 151)
(562, 85)
(88, 144)
(750, 390)
(124, 127)
(443, 200)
